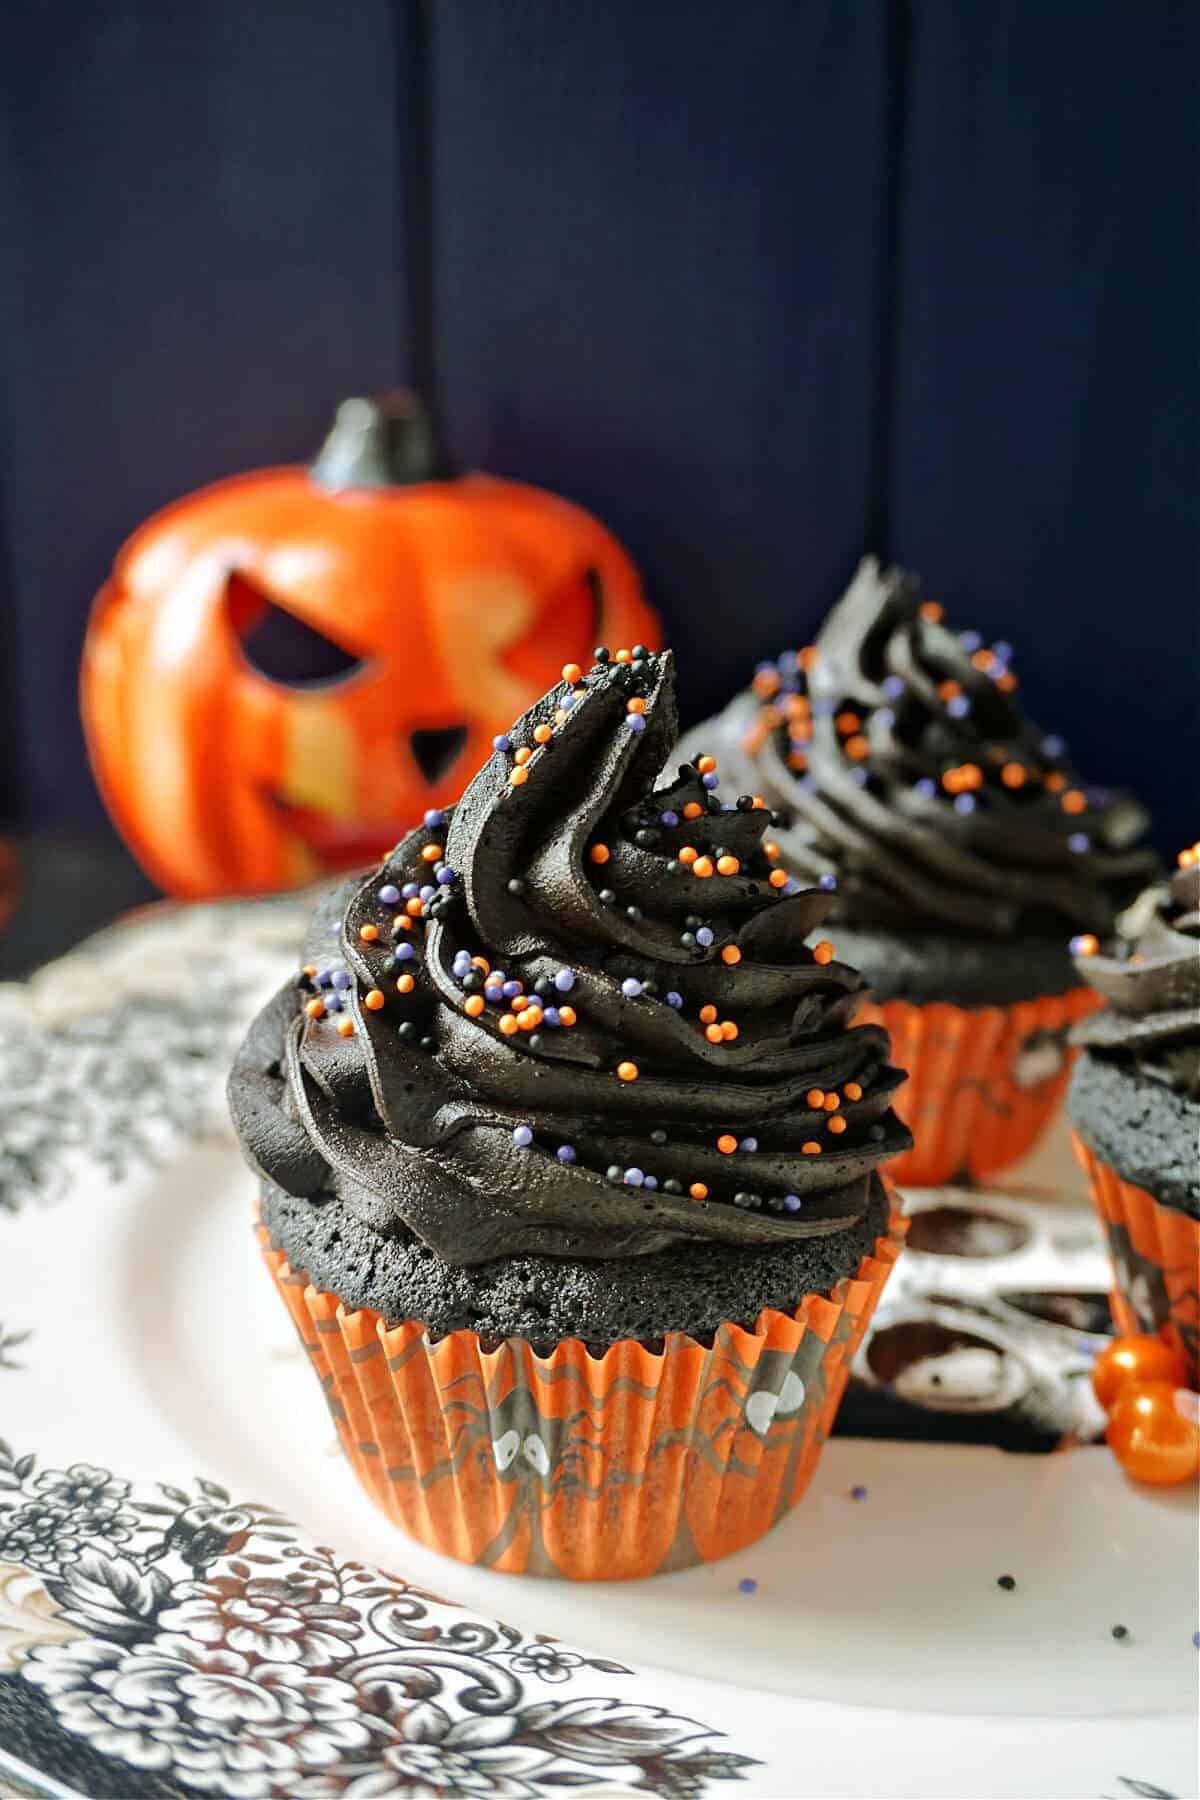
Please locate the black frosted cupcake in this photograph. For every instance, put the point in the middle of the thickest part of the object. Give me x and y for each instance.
(570, 1155)
(963, 849)
(1134, 1102)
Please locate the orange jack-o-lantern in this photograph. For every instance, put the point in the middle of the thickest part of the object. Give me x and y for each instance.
(286, 669)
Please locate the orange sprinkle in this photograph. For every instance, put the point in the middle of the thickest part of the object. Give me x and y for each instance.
(560, 717)
(765, 683)
(714, 1034)
(518, 778)
(728, 865)
(636, 705)
(852, 1091)
(1073, 801)
(571, 672)
(847, 722)
(698, 1191)
(405, 985)
(758, 804)
(832, 1103)
(770, 716)
(949, 690)
(857, 747)
(599, 853)
(519, 1002)
(707, 1014)
(1185, 859)
(771, 851)
(309, 969)
(778, 878)
(522, 756)
(688, 854)
(811, 1148)
(1056, 781)
(837, 1125)
(1007, 683)
(542, 734)
(1014, 775)
(508, 1024)
(982, 659)
(692, 810)
(414, 908)
(431, 853)
(729, 1030)
(368, 933)
(345, 1027)
(481, 962)
(626, 1071)
(1087, 945)
(931, 610)
(373, 1000)
(823, 952)
(726, 1144)
(403, 923)
(731, 955)
(706, 764)
(797, 760)
(315, 1009)
(567, 1015)
(624, 656)
(815, 1098)
(473, 1005)
(808, 657)
(703, 866)
(530, 1019)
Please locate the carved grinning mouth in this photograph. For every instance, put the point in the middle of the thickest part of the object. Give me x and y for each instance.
(336, 843)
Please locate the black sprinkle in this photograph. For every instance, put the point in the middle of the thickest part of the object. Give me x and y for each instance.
(601, 654)
(1120, 1632)
(516, 885)
(1007, 1582)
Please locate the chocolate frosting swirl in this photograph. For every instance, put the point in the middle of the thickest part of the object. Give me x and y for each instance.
(1150, 976)
(672, 999)
(905, 767)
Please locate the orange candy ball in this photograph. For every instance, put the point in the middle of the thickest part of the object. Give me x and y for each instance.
(315, 1009)
(728, 865)
(518, 778)
(698, 1191)
(406, 984)
(599, 853)
(731, 955)
(726, 1144)
(572, 673)
(778, 878)
(374, 1000)
(692, 810)
(1141, 1358)
(714, 1034)
(474, 1003)
(542, 734)
(345, 1027)
(703, 866)
(1150, 1437)
(823, 952)
(368, 933)
(626, 1071)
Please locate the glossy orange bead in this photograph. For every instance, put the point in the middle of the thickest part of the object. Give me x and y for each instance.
(626, 1071)
(414, 908)
(728, 865)
(522, 756)
(815, 1098)
(571, 672)
(706, 764)
(624, 656)
(852, 1090)
(931, 610)
(567, 1016)
(692, 810)
(599, 853)
(823, 952)
(698, 1191)
(431, 853)
(1007, 683)
(726, 1144)
(837, 1125)
(688, 855)
(731, 955)
(809, 657)
(315, 1009)
(636, 705)
(481, 962)
(519, 1002)
(368, 933)
(1073, 801)
(1150, 1437)
(406, 984)
(811, 1148)
(508, 1024)
(1056, 781)
(778, 878)
(1140, 1358)
(310, 969)
(857, 747)
(847, 722)
(729, 1030)
(345, 1027)
(948, 690)
(713, 1033)
(707, 1014)
(530, 1018)
(373, 1000)
(832, 1102)
(757, 803)
(1087, 944)
(473, 1005)
(518, 778)
(1014, 775)
(771, 851)
(703, 867)
(542, 734)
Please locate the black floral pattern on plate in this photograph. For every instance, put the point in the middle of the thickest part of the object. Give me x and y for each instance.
(209, 1647)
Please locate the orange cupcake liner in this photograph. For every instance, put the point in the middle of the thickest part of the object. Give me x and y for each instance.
(1155, 1254)
(597, 1468)
(983, 1082)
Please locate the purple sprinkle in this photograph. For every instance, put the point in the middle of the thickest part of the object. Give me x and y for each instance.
(389, 894)
(1079, 842)
(651, 1182)
(336, 928)
(823, 709)
(565, 1153)
(564, 980)
(522, 1137)
(634, 1178)
(1002, 650)
(511, 989)
(341, 977)
(674, 999)
(792, 1203)
(404, 953)
(324, 978)
(958, 707)
(859, 777)
(567, 702)
(502, 742)
(828, 881)
(765, 668)
(433, 818)
(1054, 746)
(333, 1002)
(1196, 1639)
(964, 803)
(858, 1492)
(631, 987)
(1098, 797)
(462, 962)
(807, 784)
(886, 717)
(711, 780)
(749, 1144)
(668, 818)
(497, 975)
(790, 886)
(747, 1585)
(893, 686)
(410, 890)
(927, 787)
(970, 640)
(446, 876)
(635, 722)
(550, 1016)
(704, 937)
(788, 662)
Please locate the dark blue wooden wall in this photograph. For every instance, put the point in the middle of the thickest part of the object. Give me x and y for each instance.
(764, 284)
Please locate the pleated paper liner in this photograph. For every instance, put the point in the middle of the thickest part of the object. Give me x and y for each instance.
(983, 1082)
(595, 1468)
(1155, 1255)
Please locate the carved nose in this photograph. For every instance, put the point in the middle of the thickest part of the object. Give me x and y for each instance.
(435, 752)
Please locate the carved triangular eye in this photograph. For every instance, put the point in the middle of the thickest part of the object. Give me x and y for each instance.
(435, 752)
(278, 644)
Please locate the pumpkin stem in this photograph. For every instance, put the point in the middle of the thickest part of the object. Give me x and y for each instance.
(384, 441)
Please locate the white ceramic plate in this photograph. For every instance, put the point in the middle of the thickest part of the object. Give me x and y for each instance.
(149, 1651)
